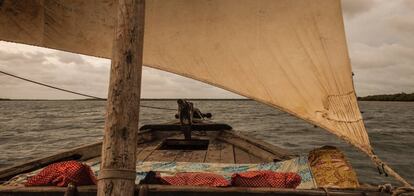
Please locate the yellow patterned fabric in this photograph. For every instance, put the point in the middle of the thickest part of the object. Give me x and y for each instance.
(331, 169)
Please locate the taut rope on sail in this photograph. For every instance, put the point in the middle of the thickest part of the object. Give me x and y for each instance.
(289, 54)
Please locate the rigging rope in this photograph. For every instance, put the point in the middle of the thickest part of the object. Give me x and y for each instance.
(49, 86)
(76, 93)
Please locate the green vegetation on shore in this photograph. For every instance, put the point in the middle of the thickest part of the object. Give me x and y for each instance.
(393, 97)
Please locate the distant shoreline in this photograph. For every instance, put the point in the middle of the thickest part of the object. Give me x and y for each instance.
(399, 97)
(146, 99)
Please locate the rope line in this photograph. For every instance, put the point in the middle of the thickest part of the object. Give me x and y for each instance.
(158, 108)
(49, 86)
(73, 92)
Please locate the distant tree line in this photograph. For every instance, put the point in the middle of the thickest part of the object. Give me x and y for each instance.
(393, 97)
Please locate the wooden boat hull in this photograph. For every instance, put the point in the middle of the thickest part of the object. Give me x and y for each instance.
(225, 146)
(167, 190)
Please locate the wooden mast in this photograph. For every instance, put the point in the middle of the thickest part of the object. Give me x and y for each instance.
(117, 174)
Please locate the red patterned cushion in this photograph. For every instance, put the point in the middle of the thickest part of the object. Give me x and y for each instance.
(195, 179)
(63, 173)
(266, 179)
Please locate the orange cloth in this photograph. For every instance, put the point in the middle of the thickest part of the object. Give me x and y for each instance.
(196, 179)
(63, 173)
(266, 179)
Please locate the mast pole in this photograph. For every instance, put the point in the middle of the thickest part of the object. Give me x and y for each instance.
(117, 174)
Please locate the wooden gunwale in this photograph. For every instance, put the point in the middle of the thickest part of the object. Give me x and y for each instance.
(81, 153)
(162, 190)
(282, 153)
(262, 150)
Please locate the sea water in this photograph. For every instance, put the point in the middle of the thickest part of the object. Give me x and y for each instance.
(33, 129)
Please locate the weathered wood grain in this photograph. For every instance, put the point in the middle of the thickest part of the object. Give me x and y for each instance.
(213, 152)
(122, 110)
(184, 156)
(242, 156)
(147, 150)
(279, 153)
(162, 155)
(198, 156)
(226, 153)
(259, 149)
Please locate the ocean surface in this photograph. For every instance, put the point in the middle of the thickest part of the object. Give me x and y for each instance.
(32, 129)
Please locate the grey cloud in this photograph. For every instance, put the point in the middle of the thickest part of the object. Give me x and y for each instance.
(402, 24)
(352, 8)
(36, 57)
(381, 48)
(9, 56)
(18, 59)
(7, 81)
(28, 64)
(408, 4)
(368, 57)
(66, 57)
(384, 81)
(67, 71)
(157, 83)
(390, 79)
(87, 75)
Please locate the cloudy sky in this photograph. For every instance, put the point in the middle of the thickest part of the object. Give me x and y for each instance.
(380, 37)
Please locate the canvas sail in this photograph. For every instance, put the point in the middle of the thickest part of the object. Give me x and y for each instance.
(289, 54)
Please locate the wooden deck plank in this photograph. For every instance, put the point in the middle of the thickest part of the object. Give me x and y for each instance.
(162, 155)
(184, 156)
(198, 156)
(141, 147)
(226, 153)
(254, 159)
(213, 152)
(148, 149)
(241, 156)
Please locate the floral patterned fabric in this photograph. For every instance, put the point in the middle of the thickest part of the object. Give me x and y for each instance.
(297, 165)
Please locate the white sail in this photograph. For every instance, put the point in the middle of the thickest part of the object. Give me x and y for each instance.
(289, 54)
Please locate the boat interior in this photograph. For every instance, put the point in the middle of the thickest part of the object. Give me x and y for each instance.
(216, 145)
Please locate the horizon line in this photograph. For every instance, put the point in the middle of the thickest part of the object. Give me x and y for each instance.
(145, 99)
